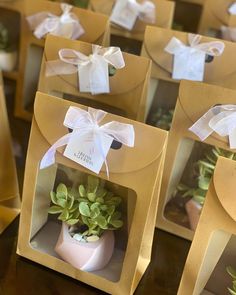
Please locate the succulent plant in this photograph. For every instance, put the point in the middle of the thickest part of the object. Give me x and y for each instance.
(90, 208)
(205, 169)
(4, 38)
(162, 118)
(232, 272)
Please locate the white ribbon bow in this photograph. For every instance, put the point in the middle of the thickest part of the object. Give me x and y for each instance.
(232, 9)
(220, 119)
(228, 33)
(214, 48)
(87, 122)
(145, 11)
(67, 25)
(92, 69)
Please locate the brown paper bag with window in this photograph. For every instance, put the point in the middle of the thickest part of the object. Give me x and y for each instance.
(214, 231)
(164, 17)
(128, 85)
(220, 71)
(135, 174)
(9, 191)
(31, 48)
(194, 100)
(215, 14)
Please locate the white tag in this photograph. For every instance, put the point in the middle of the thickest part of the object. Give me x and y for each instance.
(85, 150)
(94, 77)
(122, 15)
(232, 9)
(189, 64)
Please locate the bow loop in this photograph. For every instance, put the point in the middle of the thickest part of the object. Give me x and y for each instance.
(219, 119)
(214, 48)
(66, 25)
(145, 10)
(83, 123)
(92, 69)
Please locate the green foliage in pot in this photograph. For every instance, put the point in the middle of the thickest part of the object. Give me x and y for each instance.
(232, 272)
(162, 118)
(4, 38)
(90, 208)
(205, 169)
(80, 3)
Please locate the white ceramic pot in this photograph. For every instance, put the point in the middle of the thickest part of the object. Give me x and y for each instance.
(85, 256)
(8, 60)
(193, 210)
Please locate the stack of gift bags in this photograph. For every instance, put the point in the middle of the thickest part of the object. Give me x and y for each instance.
(98, 177)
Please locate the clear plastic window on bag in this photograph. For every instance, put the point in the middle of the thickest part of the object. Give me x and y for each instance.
(45, 228)
(191, 175)
(223, 275)
(32, 71)
(163, 104)
(10, 35)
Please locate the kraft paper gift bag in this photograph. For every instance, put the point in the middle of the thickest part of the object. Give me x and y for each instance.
(160, 14)
(185, 152)
(134, 175)
(213, 246)
(9, 191)
(128, 86)
(172, 61)
(217, 14)
(40, 18)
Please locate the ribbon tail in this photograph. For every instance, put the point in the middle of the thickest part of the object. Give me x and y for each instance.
(99, 144)
(49, 157)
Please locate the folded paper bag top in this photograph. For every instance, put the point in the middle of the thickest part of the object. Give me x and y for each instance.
(189, 61)
(92, 70)
(126, 12)
(220, 119)
(67, 25)
(89, 143)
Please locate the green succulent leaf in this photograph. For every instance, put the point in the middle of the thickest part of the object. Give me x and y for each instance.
(116, 223)
(84, 209)
(62, 202)
(64, 215)
(53, 197)
(70, 203)
(62, 189)
(116, 215)
(232, 292)
(72, 221)
(82, 191)
(95, 206)
(55, 210)
(231, 271)
(93, 183)
(101, 221)
(91, 197)
(111, 209)
(100, 200)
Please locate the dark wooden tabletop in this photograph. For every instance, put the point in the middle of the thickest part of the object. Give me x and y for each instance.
(24, 277)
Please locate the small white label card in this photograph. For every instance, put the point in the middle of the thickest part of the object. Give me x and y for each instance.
(123, 15)
(232, 9)
(88, 149)
(189, 64)
(94, 76)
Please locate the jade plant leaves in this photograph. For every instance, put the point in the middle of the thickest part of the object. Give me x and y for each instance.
(90, 206)
(205, 170)
(232, 272)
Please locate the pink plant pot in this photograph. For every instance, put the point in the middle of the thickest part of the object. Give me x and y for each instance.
(193, 210)
(85, 256)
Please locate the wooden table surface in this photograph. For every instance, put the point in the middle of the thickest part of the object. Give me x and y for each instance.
(19, 276)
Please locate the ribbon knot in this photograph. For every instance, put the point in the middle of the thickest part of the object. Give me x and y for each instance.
(145, 11)
(219, 119)
(92, 70)
(66, 25)
(232, 9)
(214, 48)
(86, 126)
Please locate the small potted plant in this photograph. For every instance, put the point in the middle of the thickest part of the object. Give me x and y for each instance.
(8, 56)
(89, 215)
(232, 272)
(204, 172)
